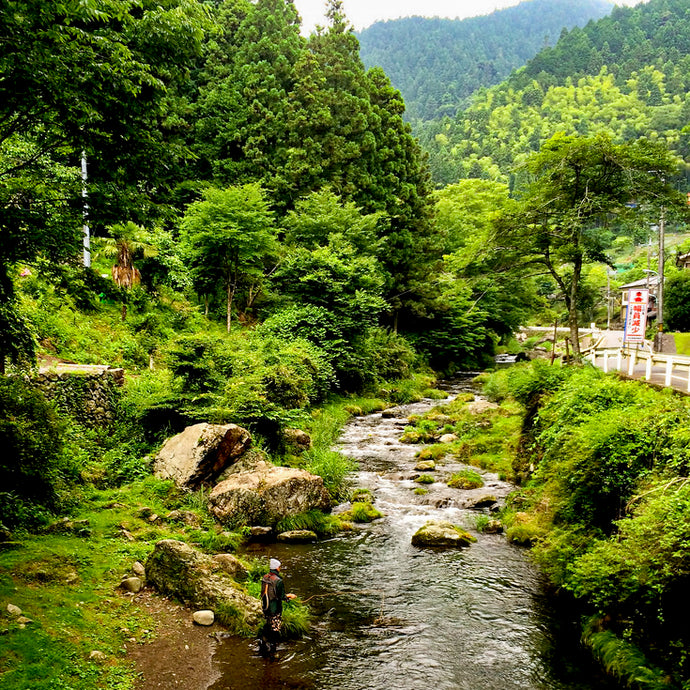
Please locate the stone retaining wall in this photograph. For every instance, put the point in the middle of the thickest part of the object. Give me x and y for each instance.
(89, 394)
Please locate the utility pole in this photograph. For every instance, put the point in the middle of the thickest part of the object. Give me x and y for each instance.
(85, 212)
(660, 286)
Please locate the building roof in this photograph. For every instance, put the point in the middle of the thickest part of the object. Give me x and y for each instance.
(652, 281)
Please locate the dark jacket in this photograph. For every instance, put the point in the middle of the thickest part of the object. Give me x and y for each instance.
(276, 604)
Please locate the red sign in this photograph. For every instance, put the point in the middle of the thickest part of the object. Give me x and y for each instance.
(636, 316)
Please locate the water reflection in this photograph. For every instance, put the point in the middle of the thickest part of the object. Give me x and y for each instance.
(449, 620)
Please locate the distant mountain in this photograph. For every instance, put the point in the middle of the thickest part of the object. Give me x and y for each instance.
(626, 75)
(438, 63)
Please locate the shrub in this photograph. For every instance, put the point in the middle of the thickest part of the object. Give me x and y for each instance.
(332, 466)
(33, 462)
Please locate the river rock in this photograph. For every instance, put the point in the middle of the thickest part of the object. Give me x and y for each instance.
(296, 441)
(298, 536)
(448, 438)
(267, 494)
(493, 527)
(230, 565)
(200, 453)
(483, 501)
(441, 533)
(132, 584)
(185, 517)
(425, 466)
(260, 533)
(481, 406)
(178, 570)
(204, 617)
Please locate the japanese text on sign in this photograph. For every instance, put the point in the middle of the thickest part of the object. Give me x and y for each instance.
(636, 316)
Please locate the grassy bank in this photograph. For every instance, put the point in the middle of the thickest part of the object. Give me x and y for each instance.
(65, 577)
(605, 503)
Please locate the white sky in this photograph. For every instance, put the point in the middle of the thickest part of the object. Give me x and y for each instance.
(362, 13)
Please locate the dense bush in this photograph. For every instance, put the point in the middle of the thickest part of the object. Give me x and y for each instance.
(677, 302)
(34, 466)
(608, 505)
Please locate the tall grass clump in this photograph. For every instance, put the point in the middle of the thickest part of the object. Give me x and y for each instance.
(333, 467)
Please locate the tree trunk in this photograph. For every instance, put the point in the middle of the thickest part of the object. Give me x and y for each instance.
(572, 309)
(230, 297)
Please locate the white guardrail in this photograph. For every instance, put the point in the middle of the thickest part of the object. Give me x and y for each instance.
(621, 358)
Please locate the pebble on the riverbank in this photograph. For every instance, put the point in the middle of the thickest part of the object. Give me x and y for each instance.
(205, 617)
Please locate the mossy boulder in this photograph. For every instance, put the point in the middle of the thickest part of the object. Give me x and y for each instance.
(178, 570)
(442, 533)
(298, 536)
(266, 495)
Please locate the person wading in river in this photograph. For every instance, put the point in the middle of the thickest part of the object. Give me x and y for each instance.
(272, 598)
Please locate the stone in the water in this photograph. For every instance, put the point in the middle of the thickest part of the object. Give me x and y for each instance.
(298, 536)
(425, 465)
(260, 533)
(484, 501)
(442, 533)
(493, 527)
(205, 617)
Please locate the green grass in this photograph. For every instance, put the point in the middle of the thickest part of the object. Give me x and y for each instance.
(362, 512)
(466, 479)
(68, 587)
(682, 343)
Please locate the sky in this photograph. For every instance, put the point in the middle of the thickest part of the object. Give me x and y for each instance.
(362, 13)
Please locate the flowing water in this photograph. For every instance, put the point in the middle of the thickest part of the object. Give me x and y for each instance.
(469, 619)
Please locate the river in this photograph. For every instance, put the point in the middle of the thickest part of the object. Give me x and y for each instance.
(472, 619)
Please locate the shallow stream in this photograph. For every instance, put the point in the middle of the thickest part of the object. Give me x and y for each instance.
(470, 619)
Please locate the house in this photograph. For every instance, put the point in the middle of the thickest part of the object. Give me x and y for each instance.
(650, 282)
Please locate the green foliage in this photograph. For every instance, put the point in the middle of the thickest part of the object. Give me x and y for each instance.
(624, 661)
(362, 511)
(314, 520)
(332, 466)
(439, 63)
(35, 467)
(677, 302)
(466, 479)
(606, 507)
(229, 235)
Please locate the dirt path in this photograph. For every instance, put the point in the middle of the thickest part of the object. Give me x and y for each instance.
(181, 655)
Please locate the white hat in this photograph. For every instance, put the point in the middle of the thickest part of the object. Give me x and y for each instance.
(274, 564)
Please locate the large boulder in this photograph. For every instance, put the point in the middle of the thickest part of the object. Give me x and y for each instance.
(180, 571)
(200, 453)
(266, 495)
(442, 533)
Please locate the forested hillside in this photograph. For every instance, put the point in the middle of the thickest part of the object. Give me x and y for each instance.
(439, 63)
(627, 75)
(239, 219)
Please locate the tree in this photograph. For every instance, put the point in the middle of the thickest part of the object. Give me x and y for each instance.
(677, 302)
(228, 236)
(578, 186)
(128, 240)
